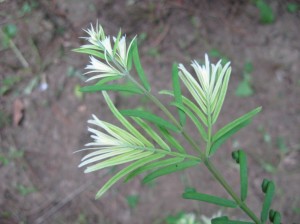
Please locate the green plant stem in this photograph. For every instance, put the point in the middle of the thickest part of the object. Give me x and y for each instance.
(217, 175)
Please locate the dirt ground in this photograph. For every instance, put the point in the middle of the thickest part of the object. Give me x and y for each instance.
(43, 117)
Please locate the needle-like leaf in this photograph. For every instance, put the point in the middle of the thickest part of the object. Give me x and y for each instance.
(166, 134)
(177, 93)
(196, 122)
(112, 87)
(154, 165)
(152, 133)
(122, 119)
(117, 42)
(150, 117)
(139, 68)
(210, 199)
(217, 143)
(188, 103)
(170, 169)
(90, 52)
(221, 97)
(126, 171)
(235, 123)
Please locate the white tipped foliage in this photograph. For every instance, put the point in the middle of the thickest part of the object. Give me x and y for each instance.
(111, 63)
(113, 146)
(209, 89)
(156, 148)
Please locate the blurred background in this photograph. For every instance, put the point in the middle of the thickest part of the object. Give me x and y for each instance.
(43, 114)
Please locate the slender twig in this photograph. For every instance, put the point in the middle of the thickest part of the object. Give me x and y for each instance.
(62, 203)
(16, 50)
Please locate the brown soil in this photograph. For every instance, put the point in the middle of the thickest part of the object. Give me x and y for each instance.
(44, 185)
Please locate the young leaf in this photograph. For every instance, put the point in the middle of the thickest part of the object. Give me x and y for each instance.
(150, 117)
(188, 103)
(152, 133)
(217, 143)
(112, 87)
(177, 93)
(117, 160)
(195, 90)
(104, 156)
(268, 188)
(138, 66)
(117, 42)
(123, 120)
(222, 95)
(266, 13)
(107, 79)
(171, 140)
(244, 88)
(126, 171)
(193, 118)
(90, 52)
(243, 175)
(246, 117)
(210, 199)
(169, 169)
(241, 158)
(130, 54)
(154, 165)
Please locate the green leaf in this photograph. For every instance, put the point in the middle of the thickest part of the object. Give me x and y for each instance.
(150, 117)
(117, 42)
(126, 171)
(269, 193)
(219, 76)
(177, 92)
(90, 52)
(105, 156)
(139, 68)
(248, 67)
(210, 199)
(241, 158)
(130, 54)
(243, 175)
(193, 118)
(123, 120)
(188, 103)
(220, 220)
(246, 117)
(244, 88)
(117, 160)
(152, 133)
(225, 220)
(112, 87)
(154, 165)
(292, 7)
(77, 92)
(266, 13)
(172, 140)
(10, 30)
(195, 90)
(217, 143)
(107, 79)
(169, 169)
(221, 96)
(132, 201)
